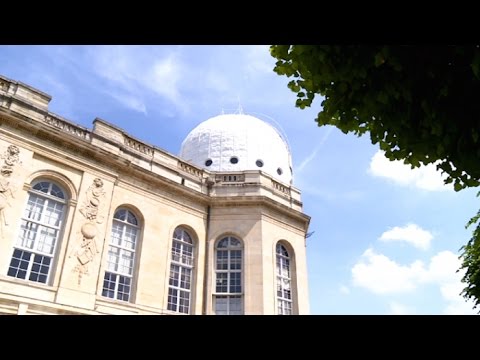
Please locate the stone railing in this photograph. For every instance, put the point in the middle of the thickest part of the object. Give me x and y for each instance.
(138, 146)
(189, 169)
(67, 127)
(280, 187)
(230, 178)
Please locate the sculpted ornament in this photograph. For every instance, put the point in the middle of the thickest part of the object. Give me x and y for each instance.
(10, 159)
(92, 206)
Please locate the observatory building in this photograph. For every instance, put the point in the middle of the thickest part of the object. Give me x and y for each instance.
(95, 221)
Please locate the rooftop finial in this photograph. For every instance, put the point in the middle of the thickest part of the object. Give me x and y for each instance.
(240, 109)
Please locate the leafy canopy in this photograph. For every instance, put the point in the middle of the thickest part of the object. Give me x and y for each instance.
(421, 104)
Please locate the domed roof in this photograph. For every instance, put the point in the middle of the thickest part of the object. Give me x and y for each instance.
(237, 142)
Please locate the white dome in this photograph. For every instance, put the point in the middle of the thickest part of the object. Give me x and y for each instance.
(217, 142)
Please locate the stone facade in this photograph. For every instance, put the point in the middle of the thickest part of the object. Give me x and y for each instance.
(104, 170)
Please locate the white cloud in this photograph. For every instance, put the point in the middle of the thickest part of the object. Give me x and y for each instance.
(411, 233)
(344, 290)
(442, 268)
(383, 276)
(379, 274)
(425, 177)
(400, 309)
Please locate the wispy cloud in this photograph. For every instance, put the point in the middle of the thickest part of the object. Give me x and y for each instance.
(344, 290)
(129, 101)
(135, 73)
(312, 155)
(165, 76)
(426, 177)
(411, 233)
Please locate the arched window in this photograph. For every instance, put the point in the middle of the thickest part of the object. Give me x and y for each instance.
(117, 283)
(40, 229)
(181, 272)
(284, 281)
(228, 281)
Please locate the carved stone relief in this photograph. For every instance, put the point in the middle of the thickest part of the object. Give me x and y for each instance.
(91, 209)
(10, 159)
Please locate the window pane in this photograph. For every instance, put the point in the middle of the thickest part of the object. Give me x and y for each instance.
(123, 288)
(34, 207)
(172, 299)
(235, 305)
(184, 303)
(40, 267)
(130, 237)
(185, 278)
(28, 231)
(222, 260)
(121, 214)
(53, 213)
(109, 285)
(113, 258)
(131, 219)
(174, 275)
(126, 262)
(222, 283)
(56, 191)
(235, 283)
(42, 186)
(117, 230)
(221, 305)
(19, 264)
(46, 240)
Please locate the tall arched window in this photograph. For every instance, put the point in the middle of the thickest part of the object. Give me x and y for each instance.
(181, 272)
(41, 226)
(117, 283)
(284, 281)
(229, 282)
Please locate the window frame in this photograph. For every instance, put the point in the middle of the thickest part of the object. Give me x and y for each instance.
(285, 306)
(229, 295)
(182, 267)
(120, 277)
(24, 231)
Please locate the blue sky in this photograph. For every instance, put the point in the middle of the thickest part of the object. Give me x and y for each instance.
(386, 238)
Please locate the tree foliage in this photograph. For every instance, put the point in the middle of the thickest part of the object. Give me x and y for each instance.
(471, 262)
(421, 104)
